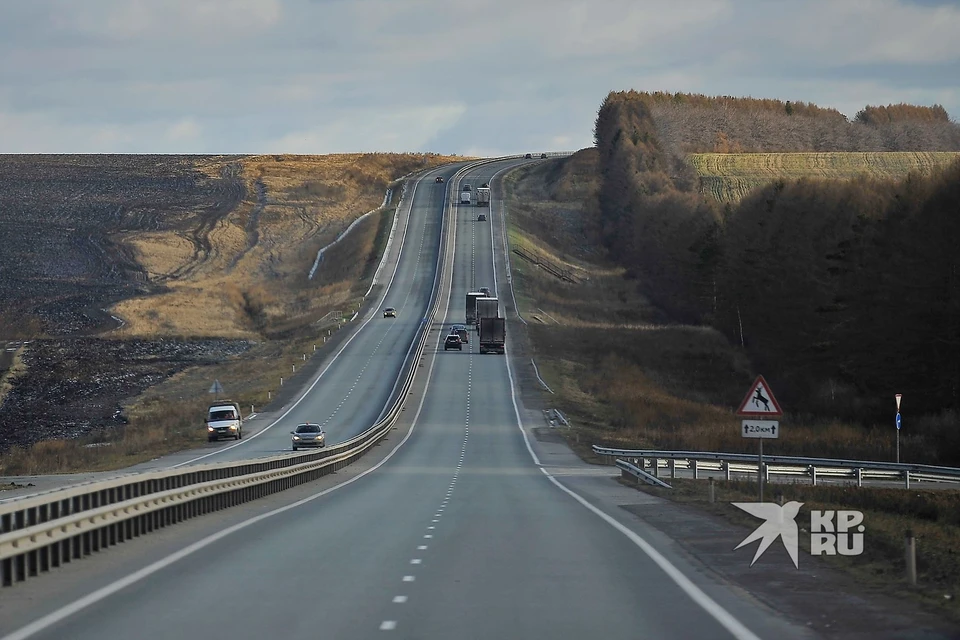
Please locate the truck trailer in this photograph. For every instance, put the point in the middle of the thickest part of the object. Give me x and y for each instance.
(471, 309)
(483, 197)
(492, 335)
(487, 308)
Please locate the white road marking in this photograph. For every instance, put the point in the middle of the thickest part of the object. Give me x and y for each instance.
(399, 599)
(421, 547)
(409, 578)
(427, 535)
(416, 561)
(430, 528)
(388, 625)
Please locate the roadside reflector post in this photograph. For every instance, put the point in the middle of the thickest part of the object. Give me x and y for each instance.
(314, 347)
(251, 408)
(696, 470)
(813, 475)
(269, 395)
(859, 477)
(911, 557)
(304, 357)
(906, 479)
(281, 382)
(726, 469)
(711, 490)
(293, 368)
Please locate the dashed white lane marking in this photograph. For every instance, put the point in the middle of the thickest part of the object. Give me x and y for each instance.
(388, 625)
(421, 547)
(409, 578)
(427, 536)
(399, 599)
(416, 561)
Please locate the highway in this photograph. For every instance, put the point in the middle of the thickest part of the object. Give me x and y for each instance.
(461, 533)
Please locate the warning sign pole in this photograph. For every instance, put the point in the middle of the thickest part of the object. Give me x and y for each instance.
(760, 471)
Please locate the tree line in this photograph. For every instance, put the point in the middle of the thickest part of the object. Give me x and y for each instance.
(842, 292)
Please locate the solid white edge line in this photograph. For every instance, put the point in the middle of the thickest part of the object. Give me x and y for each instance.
(708, 604)
(90, 599)
(309, 389)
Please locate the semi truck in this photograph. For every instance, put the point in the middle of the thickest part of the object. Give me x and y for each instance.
(483, 197)
(487, 308)
(471, 313)
(492, 335)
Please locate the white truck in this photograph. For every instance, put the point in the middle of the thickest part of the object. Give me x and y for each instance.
(483, 197)
(224, 419)
(465, 194)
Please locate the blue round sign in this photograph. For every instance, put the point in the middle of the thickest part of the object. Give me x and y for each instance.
(898, 421)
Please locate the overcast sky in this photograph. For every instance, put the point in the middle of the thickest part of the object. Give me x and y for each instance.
(480, 77)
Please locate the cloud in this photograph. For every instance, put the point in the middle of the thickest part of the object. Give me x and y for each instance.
(499, 75)
(369, 130)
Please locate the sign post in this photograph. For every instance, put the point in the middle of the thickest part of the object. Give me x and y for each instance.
(760, 403)
(898, 396)
(216, 388)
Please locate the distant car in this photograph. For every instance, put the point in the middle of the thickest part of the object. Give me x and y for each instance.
(453, 342)
(466, 187)
(485, 291)
(439, 179)
(308, 435)
(389, 312)
(482, 217)
(543, 156)
(528, 156)
(485, 185)
(461, 330)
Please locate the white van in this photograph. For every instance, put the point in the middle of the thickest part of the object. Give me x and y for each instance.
(224, 419)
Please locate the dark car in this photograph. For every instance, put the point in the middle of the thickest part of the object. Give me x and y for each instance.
(528, 156)
(543, 156)
(308, 434)
(461, 330)
(439, 179)
(485, 291)
(485, 185)
(389, 312)
(453, 342)
(482, 217)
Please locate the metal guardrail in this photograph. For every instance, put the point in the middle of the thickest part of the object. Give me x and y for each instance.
(813, 468)
(627, 469)
(44, 531)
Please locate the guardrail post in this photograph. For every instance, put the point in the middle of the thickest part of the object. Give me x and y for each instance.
(911, 557)
(673, 468)
(859, 477)
(813, 475)
(906, 479)
(696, 470)
(711, 491)
(726, 469)
(656, 468)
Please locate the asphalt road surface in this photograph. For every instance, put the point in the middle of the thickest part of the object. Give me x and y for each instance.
(462, 533)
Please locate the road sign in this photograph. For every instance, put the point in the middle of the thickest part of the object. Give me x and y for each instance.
(898, 396)
(216, 387)
(898, 421)
(761, 429)
(759, 402)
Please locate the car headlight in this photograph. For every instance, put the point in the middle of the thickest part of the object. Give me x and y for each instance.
(210, 429)
(319, 438)
(233, 427)
(296, 437)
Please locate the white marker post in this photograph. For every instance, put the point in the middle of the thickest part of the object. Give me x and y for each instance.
(898, 396)
(760, 403)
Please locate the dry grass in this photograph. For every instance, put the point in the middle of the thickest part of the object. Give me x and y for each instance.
(728, 177)
(16, 367)
(625, 375)
(292, 206)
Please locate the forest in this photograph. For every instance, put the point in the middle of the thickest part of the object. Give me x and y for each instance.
(842, 292)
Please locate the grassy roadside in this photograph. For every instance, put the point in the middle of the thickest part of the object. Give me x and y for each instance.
(626, 377)
(168, 417)
(933, 516)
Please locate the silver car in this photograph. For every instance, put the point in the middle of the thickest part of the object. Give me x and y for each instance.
(308, 435)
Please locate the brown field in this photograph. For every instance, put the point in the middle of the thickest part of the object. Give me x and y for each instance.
(729, 177)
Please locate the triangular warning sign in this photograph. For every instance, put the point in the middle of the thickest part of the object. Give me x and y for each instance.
(216, 387)
(759, 401)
